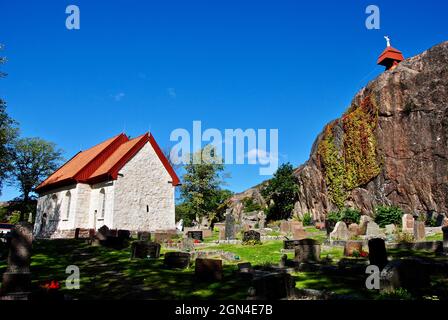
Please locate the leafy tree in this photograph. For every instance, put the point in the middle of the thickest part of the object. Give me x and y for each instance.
(200, 191)
(33, 160)
(250, 205)
(8, 132)
(281, 193)
(307, 219)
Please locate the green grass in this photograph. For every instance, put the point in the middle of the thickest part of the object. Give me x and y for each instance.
(435, 237)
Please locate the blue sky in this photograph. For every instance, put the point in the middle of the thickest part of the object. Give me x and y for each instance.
(160, 65)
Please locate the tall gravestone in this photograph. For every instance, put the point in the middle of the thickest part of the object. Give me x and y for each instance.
(419, 230)
(307, 250)
(16, 282)
(377, 252)
(407, 222)
(230, 226)
(445, 238)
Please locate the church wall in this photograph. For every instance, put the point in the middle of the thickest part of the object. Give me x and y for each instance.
(144, 196)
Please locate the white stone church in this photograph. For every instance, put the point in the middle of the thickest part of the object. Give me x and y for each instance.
(121, 183)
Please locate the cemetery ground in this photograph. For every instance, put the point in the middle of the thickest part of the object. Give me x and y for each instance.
(107, 273)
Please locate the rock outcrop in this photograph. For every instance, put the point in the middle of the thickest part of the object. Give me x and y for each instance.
(389, 148)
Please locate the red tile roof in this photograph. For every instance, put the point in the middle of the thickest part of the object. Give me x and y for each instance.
(390, 53)
(103, 161)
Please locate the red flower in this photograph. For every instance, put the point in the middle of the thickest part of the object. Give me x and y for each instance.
(197, 241)
(51, 285)
(364, 254)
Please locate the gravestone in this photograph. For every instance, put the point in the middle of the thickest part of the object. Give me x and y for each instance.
(195, 235)
(274, 286)
(144, 235)
(113, 233)
(207, 233)
(419, 231)
(307, 250)
(161, 237)
(377, 252)
(409, 274)
(102, 233)
(208, 269)
(178, 260)
(245, 267)
(352, 246)
(407, 221)
(290, 244)
(363, 221)
(445, 238)
(230, 226)
(251, 235)
(222, 234)
(340, 232)
(142, 249)
(124, 234)
(390, 229)
(353, 230)
(285, 226)
(16, 282)
(298, 233)
(373, 229)
(81, 233)
(329, 226)
(261, 219)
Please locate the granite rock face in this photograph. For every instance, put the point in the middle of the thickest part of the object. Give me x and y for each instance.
(389, 148)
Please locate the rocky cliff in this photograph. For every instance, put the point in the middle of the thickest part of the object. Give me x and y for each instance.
(389, 148)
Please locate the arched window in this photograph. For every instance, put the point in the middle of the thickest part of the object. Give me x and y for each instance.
(102, 203)
(55, 207)
(68, 201)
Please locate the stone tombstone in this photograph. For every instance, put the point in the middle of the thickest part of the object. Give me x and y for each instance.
(124, 234)
(245, 267)
(390, 229)
(261, 219)
(340, 232)
(419, 230)
(409, 274)
(290, 244)
(81, 233)
(407, 221)
(113, 233)
(445, 238)
(363, 221)
(178, 260)
(377, 252)
(251, 235)
(144, 235)
(208, 269)
(162, 236)
(329, 226)
(274, 286)
(230, 226)
(17, 278)
(142, 249)
(102, 233)
(285, 226)
(307, 250)
(352, 246)
(353, 230)
(298, 233)
(373, 229)
(207, 233)
(222, 234)
(195, 235)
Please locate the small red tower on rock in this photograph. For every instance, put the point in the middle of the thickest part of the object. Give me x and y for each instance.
(390, 57)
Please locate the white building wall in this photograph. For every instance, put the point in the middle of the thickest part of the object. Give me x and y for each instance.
(96, 221)
(55, 205)
(144, 196)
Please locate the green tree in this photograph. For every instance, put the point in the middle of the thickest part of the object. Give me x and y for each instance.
(33, 160)
(200, 191)
(281, 193)
(8, 133)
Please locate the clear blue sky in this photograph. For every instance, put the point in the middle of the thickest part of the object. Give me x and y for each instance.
(159, 65)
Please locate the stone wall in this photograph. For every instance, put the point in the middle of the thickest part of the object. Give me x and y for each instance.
(144, 195)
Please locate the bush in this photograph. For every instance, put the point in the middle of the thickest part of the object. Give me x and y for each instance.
(307, 219)
(15, 217)
(333, 216)
(349, 216)
(397, 294)
(250, 205)
(385, 215)
(404, 237)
